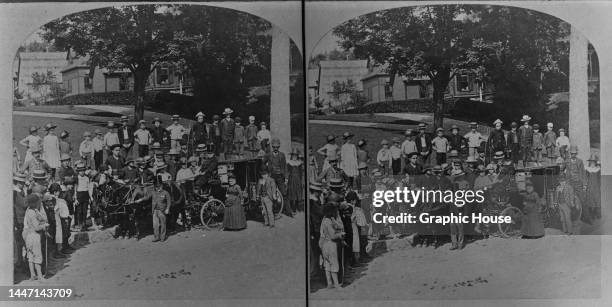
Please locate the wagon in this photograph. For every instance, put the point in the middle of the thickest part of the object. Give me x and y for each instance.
(207, 200)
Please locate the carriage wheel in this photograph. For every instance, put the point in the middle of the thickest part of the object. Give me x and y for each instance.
(512, 229)
(211, 214)
(278, 205)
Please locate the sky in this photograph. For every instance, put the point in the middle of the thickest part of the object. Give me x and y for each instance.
(326, 44)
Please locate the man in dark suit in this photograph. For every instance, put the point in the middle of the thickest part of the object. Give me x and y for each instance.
(276, 163)
(126, 137)
(525, 138)
(423, 144)
(227, 126)
(159, 134)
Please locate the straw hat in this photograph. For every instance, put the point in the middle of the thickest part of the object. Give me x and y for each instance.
(201, 148)
(39, 174)
(64, 157)
(315, 185)
(498, 121)
(227, 111)
(347, 135)
(330, 138)
(200, 114)
(64, 134)
(336, 183)
(499, 155)
(124, 118)
(525, 118)
(50, 126)
(175, 117)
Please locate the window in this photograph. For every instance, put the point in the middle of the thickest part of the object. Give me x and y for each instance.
(423, 91)
(163, 76)
(463, 83)
(388, 90)
(87, 82)
(124, 82)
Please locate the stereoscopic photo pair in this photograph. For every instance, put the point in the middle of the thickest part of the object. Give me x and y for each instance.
(232, 151)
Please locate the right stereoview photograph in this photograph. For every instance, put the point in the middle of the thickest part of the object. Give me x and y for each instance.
(454, 153)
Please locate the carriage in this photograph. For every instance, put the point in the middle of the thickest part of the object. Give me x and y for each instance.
(207, 201)
(507, 200)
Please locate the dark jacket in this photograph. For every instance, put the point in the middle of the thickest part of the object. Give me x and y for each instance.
(427, 147)
(276, 164)
(160, 134)
(497, 140)
(130, 138)
(455, 141)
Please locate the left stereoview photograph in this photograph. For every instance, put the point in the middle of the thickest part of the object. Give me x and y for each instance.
(158, 154)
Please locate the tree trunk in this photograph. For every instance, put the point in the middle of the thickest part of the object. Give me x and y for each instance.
(140, 81)
(439, 87)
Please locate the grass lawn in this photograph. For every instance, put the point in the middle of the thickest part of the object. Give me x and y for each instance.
(317, 134)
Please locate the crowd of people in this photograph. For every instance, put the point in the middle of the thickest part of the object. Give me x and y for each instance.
(54, 195)
(340, 188)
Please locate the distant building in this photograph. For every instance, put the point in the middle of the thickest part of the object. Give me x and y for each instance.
(28, 63)
(328, 72)
(378, 86)
(80, 78)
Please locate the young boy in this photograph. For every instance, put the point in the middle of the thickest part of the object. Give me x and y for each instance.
(550, 138)
(263, 138)
(86, 150)
(563, 144)
(513, 143)
(176, 133)
(251, 137)
(474, 138)
(538, 144)
(98, 147)
(383, 158)
(239, 137)
(31, 142)
(228, 126)
(143, 138)
(440, 145)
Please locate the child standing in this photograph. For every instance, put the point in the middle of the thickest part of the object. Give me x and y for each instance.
(86, 150)
(34, 225)
(474, 138)
(251, 137)
(538, 144)
(550, 138)
(64, 144)
(383, 158)
(31, 142)
(562, 144)
(328, 150)
(239, 138)
(440, 145)
(143, 138)
(525, 137)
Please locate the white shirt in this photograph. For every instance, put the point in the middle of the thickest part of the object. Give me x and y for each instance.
(142, 136)
(263, 135)
(408, 146)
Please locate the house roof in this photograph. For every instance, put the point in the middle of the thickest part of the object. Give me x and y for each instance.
(43, 55)
(380, 71)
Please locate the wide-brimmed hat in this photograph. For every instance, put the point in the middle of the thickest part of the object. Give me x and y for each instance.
(86, 134)
(200, 114)
(315, 186)
(175, 117)
(64, 134)
(64, 157)
(471, 159)
(395, 139)
(453, 153)
(498, 121)
(498, 155)
(336, 183)
(454, 127)
(437, 169)
(362, 165)
(50, 126)
(525, 118)
(39, 174)
(19, 177)
(412, 154)
(573, 149)
(173, 152)
(593, 157)
(201, 148)
(227, 111)
(422, 126)
(142, 122)
(114, 146)
(128, 161)
(330, 138)
(347, 135)
(155, 146)
(473, 124)
(124, 118)
(33, 129)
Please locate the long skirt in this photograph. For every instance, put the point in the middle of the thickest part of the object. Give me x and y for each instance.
(234, 217)
(329, 252)
(33, 247)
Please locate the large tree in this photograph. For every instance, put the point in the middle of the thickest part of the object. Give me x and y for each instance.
(127, 37)
(510, 47)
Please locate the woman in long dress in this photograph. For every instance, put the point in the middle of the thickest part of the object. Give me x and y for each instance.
(295, 187)
(34, 225)
(331, 232)
(348, 158)
(51, 152)
(234, 217)
(32, 142)
(532, 227)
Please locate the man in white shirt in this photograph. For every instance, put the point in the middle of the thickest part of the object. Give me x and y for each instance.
(143, 138)
(110, 138)
(176, 133)
(408, 147)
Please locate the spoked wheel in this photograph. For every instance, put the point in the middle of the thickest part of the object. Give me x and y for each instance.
(512, 229)
(211, 214)
(278, 205)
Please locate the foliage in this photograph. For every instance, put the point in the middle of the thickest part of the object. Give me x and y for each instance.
(439, 41)
(44, 84)
(334, 55)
